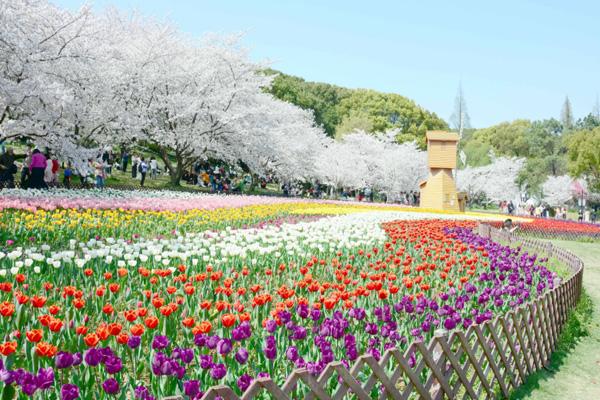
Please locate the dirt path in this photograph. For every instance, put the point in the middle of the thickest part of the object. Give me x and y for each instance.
(577, 377)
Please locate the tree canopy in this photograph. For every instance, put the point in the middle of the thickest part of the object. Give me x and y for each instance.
(340, 110)
(584, 156)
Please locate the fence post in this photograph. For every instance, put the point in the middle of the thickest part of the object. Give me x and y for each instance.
(438, 352)
(483, 230)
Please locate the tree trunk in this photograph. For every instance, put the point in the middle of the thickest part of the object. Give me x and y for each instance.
(254, 182)
(175, 176)
(175, 171)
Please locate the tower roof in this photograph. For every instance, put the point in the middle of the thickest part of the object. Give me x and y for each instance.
(442, 135)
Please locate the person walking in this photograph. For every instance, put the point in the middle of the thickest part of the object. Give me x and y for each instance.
(7, 169)
(100, 174)
(134, 166)
(25, 174)
(67, 174)
(153, 168)
(124, 160)
(37, 167)
(143, 169)
(48, 177)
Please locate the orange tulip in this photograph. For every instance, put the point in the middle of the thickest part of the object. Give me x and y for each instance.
(202, 327)
(137, 330)
(114, 328)
(38, 301)
(55, 324)
(78, 303)
(91, 339)
(45, 349)
(228, 320)
(122, 338)
(188, 322)
(7, 308)
(81, 330)
(151, 322)
(34, 335)
(8, 348)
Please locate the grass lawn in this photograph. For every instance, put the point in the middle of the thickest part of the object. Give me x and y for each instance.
(162, 181)
(574, 370)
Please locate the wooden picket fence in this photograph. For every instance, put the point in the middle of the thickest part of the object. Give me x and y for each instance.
(485, 361)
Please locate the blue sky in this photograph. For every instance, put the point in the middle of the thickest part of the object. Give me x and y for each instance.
(516, 58)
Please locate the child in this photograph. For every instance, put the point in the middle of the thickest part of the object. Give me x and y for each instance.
(68, 172)
(100, 175)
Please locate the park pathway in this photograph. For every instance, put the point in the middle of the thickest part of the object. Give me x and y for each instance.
(578, 378)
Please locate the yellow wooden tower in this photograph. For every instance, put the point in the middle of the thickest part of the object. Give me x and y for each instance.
(439, 190)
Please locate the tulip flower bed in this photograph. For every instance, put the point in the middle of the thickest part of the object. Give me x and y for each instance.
(145, 317)
(57, 216)
(555, 228)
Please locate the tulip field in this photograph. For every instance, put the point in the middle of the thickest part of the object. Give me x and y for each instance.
(123, 295)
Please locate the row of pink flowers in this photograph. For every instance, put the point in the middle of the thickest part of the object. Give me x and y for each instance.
(154, 201)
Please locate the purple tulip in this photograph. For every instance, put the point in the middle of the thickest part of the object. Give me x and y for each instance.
(218, 371)
(63, 360)
(224, 346)
(133, 342)
(113, 365)
(200, 340)
(271, 326)
(302, 311)
(244, 382)
(185, 355)
(191, 388)
(212, 342)
(45, 378)
(315, 314)
(241, 356)
(270, 348)
(77, 359)
(206, 361)
(105, 354)
(371, 328)
(69, 391)
(160, 342)
(449, 324)
(92, 357)
(111, 386)
(292, 353)
(142, 393)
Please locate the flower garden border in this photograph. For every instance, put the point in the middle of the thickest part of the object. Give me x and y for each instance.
(485, 361)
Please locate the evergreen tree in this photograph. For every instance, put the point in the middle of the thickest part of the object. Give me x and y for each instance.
(566, 115)
(460, 118)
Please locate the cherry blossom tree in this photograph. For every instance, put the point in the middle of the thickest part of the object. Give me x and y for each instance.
(557, 191)
(360, 160)
(42, 48)
(189, 100)
(496, 180)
